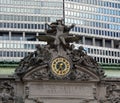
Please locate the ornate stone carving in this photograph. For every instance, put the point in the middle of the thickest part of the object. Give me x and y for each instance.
(113, 93)
(80, 57)
(45, 74)
(7, 92)
(36, 100)
(39, 57)
(41, 74)
(58, 47)
(79, 75)
(26, 91)
(95, 93)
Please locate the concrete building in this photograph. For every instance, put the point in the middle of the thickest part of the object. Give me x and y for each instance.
(97, 23)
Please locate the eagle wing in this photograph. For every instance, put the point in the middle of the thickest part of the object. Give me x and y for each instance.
(48, 38)
(70, 39)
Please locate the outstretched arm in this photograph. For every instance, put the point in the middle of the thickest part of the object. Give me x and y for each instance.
(47, 24)
(50, 25)
(70, 27)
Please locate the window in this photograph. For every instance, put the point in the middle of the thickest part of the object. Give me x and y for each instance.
(91, 51)
(25, 25)
(0, 53)
(97, 59)
(106, 60)
(112, 60)
(109, 60)
(22, 54)
(18, 54)
(11, 54)
(95, 51)
(15, 54)
(103, 60)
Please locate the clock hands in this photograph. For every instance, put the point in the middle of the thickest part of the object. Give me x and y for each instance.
(61, 66)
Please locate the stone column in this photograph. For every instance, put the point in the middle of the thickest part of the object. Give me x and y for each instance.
(119, 45)
(37, 34)
(83, 39)
(93, 41)
(10, 35)
(23, 36)
(112, 43)
(103, 42)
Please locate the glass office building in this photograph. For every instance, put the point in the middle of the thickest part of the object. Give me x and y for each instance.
(97, 24)
(21, 21)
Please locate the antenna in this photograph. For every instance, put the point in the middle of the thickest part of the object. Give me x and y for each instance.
(64, 11)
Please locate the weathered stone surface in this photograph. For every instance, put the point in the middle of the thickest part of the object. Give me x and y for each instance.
(58, 90)
(7, 92)
(62, 60)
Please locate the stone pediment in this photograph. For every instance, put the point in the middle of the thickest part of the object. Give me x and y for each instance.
(78, 73)
(58, 60)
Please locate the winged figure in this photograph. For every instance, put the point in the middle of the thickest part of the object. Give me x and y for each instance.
(58, 34)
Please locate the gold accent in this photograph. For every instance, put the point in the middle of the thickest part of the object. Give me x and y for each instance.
(60, 66)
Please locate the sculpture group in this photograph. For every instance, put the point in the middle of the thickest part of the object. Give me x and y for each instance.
(58, 41)
(57, 72)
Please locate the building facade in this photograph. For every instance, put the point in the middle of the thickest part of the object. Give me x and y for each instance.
(97, 24)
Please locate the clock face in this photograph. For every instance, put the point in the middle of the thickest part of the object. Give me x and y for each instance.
(60, 66)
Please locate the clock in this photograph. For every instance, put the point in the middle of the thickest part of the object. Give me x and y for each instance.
(60, 66)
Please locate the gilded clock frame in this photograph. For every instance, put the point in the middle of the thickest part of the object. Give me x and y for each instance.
(60, 66)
